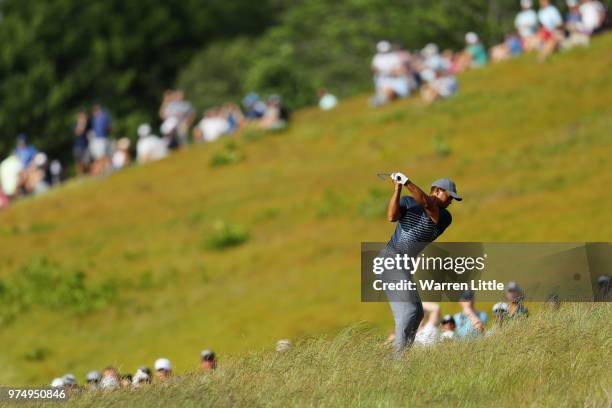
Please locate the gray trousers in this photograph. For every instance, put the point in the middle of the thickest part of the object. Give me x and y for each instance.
(406, 307)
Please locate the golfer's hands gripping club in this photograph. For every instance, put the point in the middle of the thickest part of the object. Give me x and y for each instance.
(399, 178)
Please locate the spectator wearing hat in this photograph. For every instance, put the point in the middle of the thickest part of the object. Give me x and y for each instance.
(283, 345)
(163, 369)
(469, 321)
(70, 383)
(514, 297)
(390, 75)
(208, 360)
(149, 147)
(24, 151)
(500, 313)
(93, 380)
(142, 377)
(476, 51)
(448, 327)
(526, 24)
(57, 383)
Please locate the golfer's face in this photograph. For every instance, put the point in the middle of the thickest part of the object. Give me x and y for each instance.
(443, 197)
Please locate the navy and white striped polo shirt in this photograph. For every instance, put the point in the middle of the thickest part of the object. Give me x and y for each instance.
(415, 226)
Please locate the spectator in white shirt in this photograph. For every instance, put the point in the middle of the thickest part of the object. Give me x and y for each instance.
(526, 23)
(390, 75)
(593, 15)
(551, 33)
(149, 147)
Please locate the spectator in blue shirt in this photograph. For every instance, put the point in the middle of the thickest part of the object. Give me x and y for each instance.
(101, 121)
(25, 152)
(469, 321)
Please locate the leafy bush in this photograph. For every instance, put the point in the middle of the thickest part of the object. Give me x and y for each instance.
(226, 235)
(42, 283)
(228, 155)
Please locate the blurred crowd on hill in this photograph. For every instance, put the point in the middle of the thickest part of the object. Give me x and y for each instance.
(28, 171)
(398, 72)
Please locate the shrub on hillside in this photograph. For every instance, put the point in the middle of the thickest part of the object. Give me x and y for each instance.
(226, 235)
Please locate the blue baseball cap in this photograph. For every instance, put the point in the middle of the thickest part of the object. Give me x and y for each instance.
(447, 185)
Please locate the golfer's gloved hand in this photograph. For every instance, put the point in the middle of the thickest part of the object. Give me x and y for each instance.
(399, 178)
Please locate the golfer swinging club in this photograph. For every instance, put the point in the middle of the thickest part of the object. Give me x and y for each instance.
(420, 220)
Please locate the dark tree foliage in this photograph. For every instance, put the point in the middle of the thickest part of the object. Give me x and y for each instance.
(58, 55)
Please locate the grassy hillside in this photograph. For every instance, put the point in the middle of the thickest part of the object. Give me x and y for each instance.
(528, 145)
(529, 363)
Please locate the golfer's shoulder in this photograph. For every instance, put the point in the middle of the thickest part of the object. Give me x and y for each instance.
(445, 218)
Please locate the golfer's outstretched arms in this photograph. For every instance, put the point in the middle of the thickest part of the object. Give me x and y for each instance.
(393, 210)
(426, 201)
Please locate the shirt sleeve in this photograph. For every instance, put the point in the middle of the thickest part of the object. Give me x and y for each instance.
(405, 203)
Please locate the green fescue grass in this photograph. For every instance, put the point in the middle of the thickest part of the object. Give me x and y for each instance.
(528, 144)
(557, 358)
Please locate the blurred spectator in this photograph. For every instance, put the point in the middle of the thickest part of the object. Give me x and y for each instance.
(469, 321)
(175, 106)
(511, 47)
(327, 101)
(169, 131)
(428, 331)
(514, 296)
(24, 151)
(234, 116)
(213, 125)
(551, 33)
(57, 383)
(526, 23)
(126, 381)
(576, 33)
(475, 49)
(283, 345)
(80, 148)
(500, 312)
(163, 369)
(604, 288)
(208, 360)
(36, 178)
(142, 377)
(390, 75)
(438, 85)
(553, 302)
(121, 156)
(70, 382)
(448, 327)
(593, 15)
(4, 200)
(55, 171)
(149, 147)
(99, 144)
(93, 380)
(254, 108)
(277, 115)
(110, 379)
(10, 175)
